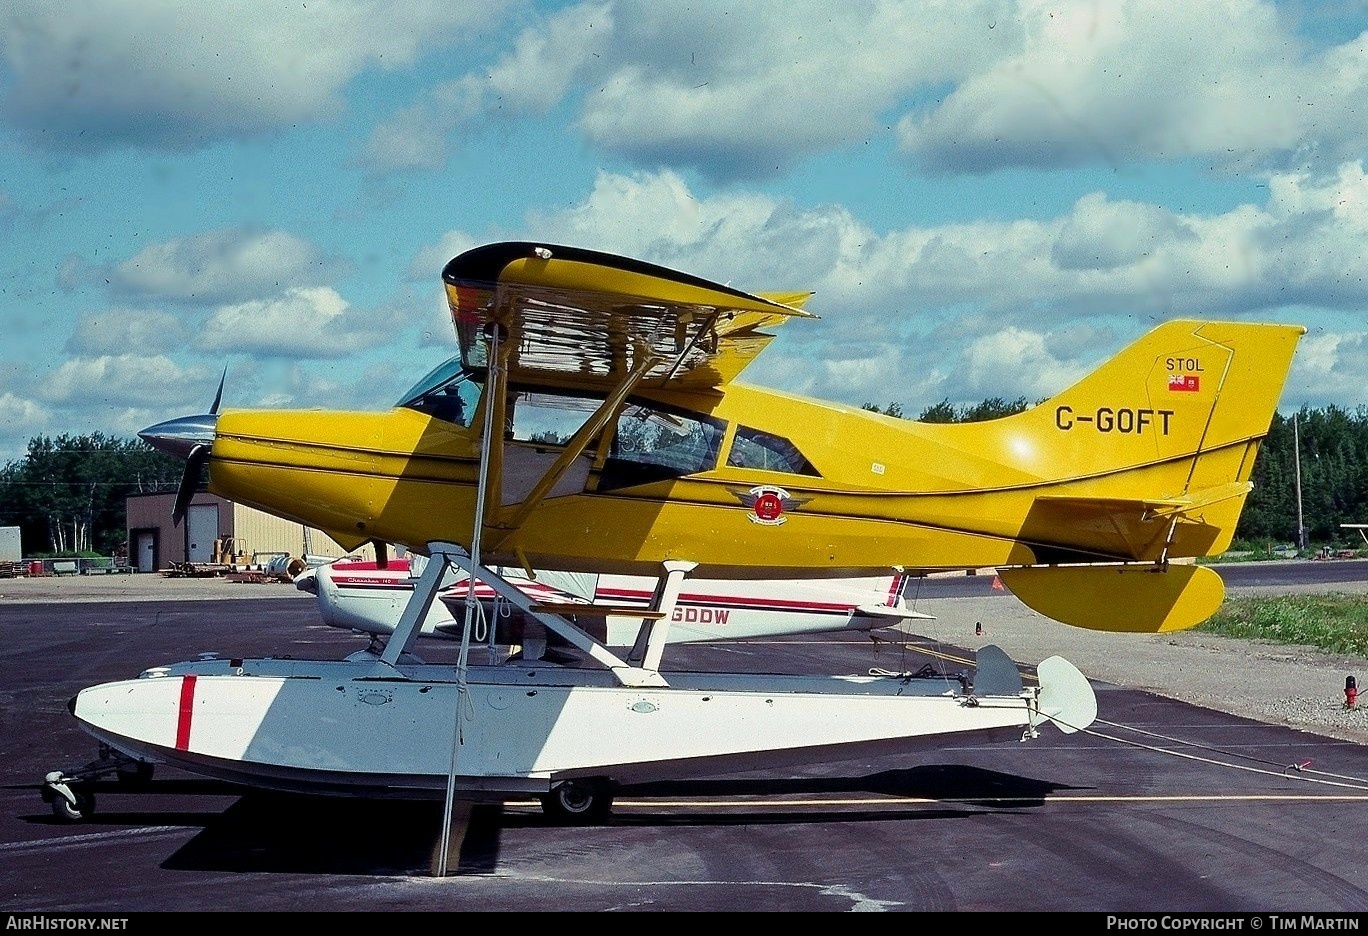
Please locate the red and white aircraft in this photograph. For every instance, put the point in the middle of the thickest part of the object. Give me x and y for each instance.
(369, 597)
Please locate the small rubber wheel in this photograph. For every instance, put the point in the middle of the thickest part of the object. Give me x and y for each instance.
(579, 802)
(78, 811)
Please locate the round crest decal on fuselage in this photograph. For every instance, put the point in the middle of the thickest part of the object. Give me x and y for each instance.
(768, 506)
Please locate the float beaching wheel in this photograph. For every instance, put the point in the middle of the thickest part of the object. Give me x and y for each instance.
(579, 801)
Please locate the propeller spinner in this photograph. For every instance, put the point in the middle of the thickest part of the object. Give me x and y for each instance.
(191, 438)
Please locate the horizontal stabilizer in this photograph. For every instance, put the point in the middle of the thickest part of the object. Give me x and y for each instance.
(1133, 599)
(1150, 507)
(900, 613)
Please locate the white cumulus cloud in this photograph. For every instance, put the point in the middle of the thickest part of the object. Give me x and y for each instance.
(94, 74)
(219, 266)
(977, 309)
(1111, 83)
(304, 322)
(116, 329)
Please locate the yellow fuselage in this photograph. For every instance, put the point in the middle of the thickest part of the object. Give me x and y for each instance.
(1080, 501)
(891, 492)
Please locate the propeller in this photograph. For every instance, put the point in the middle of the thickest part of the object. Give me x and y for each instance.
(189, 482)
(191, 438)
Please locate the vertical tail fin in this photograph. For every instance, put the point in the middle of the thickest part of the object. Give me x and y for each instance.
(1153, 452)
(1187, 387)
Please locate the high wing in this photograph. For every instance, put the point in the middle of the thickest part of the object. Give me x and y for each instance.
(598, 324)
(593, 318)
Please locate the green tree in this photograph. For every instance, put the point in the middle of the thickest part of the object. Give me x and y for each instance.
(947, 412)
(67, 495)
(1329, 447)
(992, 408)
(942, 412)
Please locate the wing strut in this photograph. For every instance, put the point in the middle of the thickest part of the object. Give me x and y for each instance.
(578, 443)
(411, 621)
(706, 329)
(624, 672)
(494, 406)
(655, 631)
(644, 673)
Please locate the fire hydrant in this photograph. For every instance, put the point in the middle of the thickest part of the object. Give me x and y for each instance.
(1350, 692)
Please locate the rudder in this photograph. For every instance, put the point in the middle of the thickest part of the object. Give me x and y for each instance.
(1183, 388)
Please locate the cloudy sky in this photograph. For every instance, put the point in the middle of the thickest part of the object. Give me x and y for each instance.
(987, 196)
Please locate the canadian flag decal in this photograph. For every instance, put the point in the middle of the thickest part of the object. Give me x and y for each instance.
(1184, 383)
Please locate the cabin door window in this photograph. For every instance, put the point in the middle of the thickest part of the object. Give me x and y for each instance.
(656, 444)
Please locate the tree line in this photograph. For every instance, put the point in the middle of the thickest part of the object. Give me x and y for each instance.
(1326, 452)
(67, 495)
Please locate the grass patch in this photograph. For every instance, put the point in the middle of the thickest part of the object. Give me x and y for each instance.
(1336, 623)
(1245, 551)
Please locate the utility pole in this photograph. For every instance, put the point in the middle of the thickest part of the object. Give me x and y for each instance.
(1296, 456)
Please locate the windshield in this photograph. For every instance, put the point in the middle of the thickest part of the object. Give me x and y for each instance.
(448, 392)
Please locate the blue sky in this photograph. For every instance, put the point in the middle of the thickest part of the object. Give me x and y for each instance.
(987, 197)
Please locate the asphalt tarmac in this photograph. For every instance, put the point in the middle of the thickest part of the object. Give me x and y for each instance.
(1161, 807)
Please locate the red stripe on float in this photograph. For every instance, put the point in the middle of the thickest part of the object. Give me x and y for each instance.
(187, 709)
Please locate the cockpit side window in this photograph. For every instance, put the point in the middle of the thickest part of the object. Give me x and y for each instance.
(546, 417)
(655, 444)
(755, 449)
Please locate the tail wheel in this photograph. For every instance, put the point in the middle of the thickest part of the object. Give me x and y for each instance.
(579, 802)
